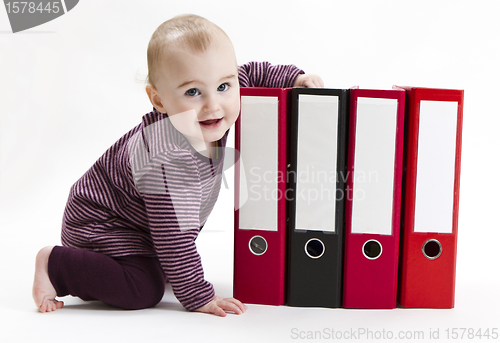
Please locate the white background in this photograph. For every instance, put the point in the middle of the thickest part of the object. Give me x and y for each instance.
(71, 87)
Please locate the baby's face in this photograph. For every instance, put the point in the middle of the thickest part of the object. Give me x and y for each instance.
(200, 91)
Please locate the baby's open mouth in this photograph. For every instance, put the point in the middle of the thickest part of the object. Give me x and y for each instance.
(210, 123)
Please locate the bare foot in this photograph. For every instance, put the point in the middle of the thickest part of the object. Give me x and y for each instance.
(44, 293)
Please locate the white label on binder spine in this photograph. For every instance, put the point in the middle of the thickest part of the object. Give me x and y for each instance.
(437, 142)
(259, 153)
(316, 163)
(374, 154)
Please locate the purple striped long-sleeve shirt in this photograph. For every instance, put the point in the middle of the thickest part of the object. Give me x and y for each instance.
(151, 192)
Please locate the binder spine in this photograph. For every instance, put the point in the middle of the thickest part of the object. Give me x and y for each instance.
(259, 252)
(371, 247)
(315, 257)
(431, 254)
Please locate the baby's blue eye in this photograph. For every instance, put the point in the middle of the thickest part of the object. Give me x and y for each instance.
(192, 92)
(223, 87)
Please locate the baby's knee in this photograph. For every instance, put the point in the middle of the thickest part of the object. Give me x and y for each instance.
(142, 303)
(144, 298)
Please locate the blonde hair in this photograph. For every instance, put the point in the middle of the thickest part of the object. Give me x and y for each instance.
(188, 30)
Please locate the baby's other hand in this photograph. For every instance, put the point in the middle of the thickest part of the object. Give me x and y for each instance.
(309, 81)
(219, 306)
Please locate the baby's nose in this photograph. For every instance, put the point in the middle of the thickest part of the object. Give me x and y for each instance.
(211, 104)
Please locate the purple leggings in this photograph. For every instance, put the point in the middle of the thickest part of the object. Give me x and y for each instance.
(128, 282)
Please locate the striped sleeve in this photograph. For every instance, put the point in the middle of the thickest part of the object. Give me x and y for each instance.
(174, 225)
(263, 74)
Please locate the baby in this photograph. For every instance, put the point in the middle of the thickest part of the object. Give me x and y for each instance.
(131, 220)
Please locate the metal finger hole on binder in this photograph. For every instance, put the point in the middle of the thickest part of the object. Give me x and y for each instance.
(432, 249)
(314, 248)
(372, 249)
(257, 245)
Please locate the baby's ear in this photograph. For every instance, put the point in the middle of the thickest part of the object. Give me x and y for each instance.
(154, 97)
